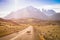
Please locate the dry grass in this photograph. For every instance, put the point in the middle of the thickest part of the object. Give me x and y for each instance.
(7, 28)
(48, 30)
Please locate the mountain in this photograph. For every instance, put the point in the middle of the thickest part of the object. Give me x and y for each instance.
(48, 12)
(55, 17)
(28, 12)
(52, 15)
(33, 13)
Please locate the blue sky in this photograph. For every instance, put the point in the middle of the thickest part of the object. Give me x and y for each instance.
(45, 1)
(7, 6)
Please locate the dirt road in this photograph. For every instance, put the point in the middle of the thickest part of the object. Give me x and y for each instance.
(27, 34)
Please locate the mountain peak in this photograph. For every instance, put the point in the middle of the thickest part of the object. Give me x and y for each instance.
(30, 8)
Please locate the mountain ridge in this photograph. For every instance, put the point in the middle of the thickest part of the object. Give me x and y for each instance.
(32, 12)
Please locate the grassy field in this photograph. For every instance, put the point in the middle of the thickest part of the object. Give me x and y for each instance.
(49, 32)
(8, 27)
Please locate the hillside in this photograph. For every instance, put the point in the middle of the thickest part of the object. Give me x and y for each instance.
(8, 27)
